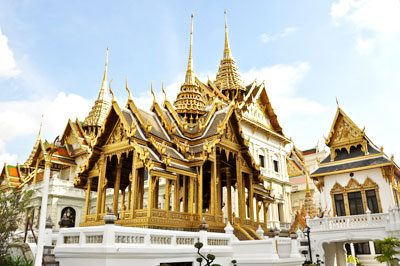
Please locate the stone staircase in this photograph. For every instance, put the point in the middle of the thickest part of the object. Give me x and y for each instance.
(49, 257)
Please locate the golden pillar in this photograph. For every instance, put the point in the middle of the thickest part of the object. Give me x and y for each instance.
(191, 184)
(184, 198)
(251, 198)
(167, 195)
(213, 184)
(240, 189)
(176, 195)
(100, 184)
(150, 196)
(229, 193)
(129, 195)
(219, 186)
(133, 178)
(89, 184)
(116, 188)
(200, 192)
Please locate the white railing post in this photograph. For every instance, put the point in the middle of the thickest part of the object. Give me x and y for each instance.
(391, 219)
(229, 230)
(260, 232)
(369, 218)
(396, 217)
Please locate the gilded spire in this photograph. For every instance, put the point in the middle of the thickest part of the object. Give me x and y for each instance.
(307, 186)
(228, 79)
(101, 106)
(189, 101)
(102, 94)
(227, 50)
(189, 79)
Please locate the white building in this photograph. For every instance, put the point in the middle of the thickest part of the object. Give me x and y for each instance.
(358, 183)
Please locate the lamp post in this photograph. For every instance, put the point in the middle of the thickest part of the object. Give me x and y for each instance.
(306, 232)
(45, 193)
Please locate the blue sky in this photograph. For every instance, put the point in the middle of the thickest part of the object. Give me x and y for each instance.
(308, 52)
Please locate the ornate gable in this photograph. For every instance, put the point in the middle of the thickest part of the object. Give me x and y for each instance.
(293, 168)
(337, 188)
(345, 134)
(256, 111)
(353, 185)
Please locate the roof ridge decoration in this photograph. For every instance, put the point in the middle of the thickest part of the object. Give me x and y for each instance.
(101, 106)
(189, 101)
(345, 133)
(228, 79)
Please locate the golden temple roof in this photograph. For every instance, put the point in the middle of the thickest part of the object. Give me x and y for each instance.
(101, 105)
(189, 100)
(228, 79)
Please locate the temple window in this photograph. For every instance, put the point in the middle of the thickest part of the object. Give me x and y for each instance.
(354, 198)
(371, 201)
(355, 203)
(262, 160)
(339, 203)
(276, 166)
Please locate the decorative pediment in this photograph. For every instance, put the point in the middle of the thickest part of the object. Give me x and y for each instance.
(368, 183)
(229, 134)
(345, 134)
(337, 188)
(256, 111)
(353, 184)
(293, 169)
(117, 135)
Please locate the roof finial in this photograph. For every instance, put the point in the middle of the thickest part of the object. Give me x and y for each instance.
(152, 92)
(189, 79)
(111, 92)
(337, 102)
(40, 128)
(165, 94)
(104, 83)
(227, 50)
(127, 89)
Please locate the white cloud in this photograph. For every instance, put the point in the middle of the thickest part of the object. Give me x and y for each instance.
(5, 156)
(22, 118)
(8, 67)
(268, 37)
(375, 20)
(282, 83)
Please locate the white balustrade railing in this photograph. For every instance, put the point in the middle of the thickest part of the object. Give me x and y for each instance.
(118, 235)
(389, 221)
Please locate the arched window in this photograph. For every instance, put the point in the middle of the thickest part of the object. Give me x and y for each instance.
(68, 216)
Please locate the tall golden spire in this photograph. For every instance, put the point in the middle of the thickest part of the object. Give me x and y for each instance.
(189, 79)
(227, 50)
(103, 89)
(189, 101)
(228, 79)
(307, 186)
(101, 106)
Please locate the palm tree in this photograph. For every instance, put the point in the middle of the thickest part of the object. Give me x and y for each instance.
(388, 250)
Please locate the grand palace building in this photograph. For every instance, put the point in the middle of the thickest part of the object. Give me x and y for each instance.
(216, 152)
(215, 157)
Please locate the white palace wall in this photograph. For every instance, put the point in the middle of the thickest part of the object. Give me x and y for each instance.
(385, 191)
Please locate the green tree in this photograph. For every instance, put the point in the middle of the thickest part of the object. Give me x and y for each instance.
(208, 259)
(13, 203)
(388, 251)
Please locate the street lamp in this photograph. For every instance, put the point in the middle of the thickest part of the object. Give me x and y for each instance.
(52, 148)
(306, 232)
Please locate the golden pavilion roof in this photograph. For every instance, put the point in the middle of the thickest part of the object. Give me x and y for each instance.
(228, 79)
(101, 105)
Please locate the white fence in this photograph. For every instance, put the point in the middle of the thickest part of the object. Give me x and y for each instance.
(118, 245)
